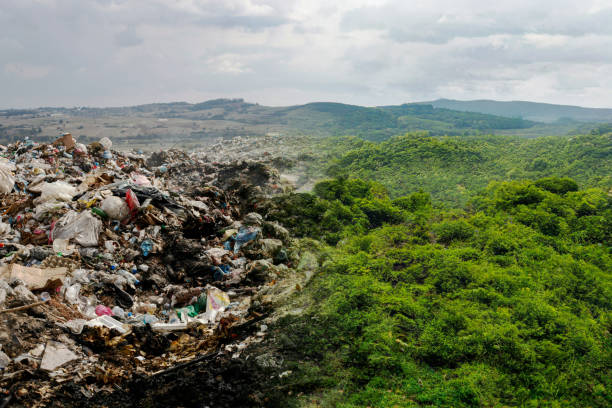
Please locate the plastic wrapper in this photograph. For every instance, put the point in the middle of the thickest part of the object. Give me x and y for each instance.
(115, 207)
(82, 228)
(216, 302)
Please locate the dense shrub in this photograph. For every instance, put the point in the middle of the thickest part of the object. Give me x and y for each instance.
(505, 304)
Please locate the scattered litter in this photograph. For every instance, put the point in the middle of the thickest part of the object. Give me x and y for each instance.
(108, 260)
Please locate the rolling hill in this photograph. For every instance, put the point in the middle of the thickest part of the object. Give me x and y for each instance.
(184, 122)
(540, 112)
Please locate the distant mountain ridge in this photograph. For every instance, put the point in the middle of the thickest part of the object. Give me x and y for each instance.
(235, 117)
(539, 112)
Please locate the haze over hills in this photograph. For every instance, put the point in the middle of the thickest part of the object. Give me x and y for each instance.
(535, 111)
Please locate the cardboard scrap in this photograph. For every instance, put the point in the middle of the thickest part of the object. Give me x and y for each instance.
(66, 140)
(34, 278)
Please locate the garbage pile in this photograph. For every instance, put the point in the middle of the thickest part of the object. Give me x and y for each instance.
(116, 264)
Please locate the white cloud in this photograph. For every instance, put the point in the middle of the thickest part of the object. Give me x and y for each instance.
(371, 52)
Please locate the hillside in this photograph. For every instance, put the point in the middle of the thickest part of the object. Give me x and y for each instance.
(505, 303)
(451, 169)
(541, 112)
(189, 124)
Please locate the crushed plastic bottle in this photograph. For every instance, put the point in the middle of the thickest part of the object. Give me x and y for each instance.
(146, 246)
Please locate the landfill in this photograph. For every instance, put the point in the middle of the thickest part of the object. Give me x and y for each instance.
(119, 264)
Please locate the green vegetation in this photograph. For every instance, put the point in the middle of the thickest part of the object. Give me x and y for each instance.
(451, 169)
(507, 302)
(383, 122)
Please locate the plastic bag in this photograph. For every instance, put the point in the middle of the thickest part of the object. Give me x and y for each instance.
(80, 148)
(7, 179)
(216, 302)
(140, 179)
(102, 310)
(244, 236)
(132, 202)
(72, 293)
(106, 143)
(44, 209)
(61, 245)
(56, 191)
(115, 207)
(82, 228)
(5, 229)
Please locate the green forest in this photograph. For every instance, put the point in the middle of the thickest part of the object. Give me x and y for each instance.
(455, 272)
(452, 169)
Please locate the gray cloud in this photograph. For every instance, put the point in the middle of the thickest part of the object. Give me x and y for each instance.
(371, 52)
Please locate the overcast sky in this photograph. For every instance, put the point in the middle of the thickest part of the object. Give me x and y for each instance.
(280, 52)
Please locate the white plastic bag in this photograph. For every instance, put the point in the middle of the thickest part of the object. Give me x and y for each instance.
(106, 143)
(82, 228)
(7, 179)
(56, 191)
(115, 207)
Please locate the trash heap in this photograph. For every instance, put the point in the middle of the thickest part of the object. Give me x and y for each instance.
(116, 264)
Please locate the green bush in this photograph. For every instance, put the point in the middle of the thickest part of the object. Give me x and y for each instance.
(504, 304)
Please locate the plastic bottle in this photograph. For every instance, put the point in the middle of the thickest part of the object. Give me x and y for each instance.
(99, 212)
(146, 247)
